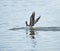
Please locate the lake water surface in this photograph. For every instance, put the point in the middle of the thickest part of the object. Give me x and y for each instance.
(14, 13)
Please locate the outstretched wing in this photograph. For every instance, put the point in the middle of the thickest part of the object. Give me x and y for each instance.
(37, 20)
(32, 19)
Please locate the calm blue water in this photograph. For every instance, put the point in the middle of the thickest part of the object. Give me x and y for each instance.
(14, 13)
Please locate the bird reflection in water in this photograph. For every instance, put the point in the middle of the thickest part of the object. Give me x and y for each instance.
(32, 33)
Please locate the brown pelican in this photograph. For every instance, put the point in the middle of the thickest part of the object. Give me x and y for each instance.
(32, 20)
